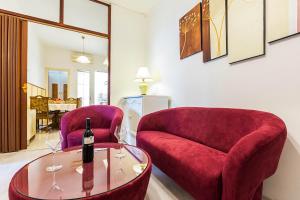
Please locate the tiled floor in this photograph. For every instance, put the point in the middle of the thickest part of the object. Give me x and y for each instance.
(161, 187)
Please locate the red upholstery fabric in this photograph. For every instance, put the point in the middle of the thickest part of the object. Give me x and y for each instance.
(100, 135)
(134, 190)
(190, 163)
(102, 117)
(243, 148)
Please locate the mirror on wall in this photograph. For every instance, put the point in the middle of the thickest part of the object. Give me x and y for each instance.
(58, 84)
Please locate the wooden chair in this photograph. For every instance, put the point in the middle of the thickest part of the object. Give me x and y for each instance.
(51, 100)
(74, 101)
(41, 104)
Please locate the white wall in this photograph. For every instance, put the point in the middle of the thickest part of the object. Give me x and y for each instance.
(270, 83)
(35, 65)
(128, 51)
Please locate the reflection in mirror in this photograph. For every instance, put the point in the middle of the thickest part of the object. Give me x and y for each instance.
(58, 84)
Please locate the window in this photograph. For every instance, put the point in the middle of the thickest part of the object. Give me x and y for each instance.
(83, 87)
(101, 87)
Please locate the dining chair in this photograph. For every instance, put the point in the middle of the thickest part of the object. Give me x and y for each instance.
(76, 101)
(41, 105)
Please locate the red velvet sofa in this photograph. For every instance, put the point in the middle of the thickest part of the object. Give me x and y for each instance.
(214, 153)
(104, 120)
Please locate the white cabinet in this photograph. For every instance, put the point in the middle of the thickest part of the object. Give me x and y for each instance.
(136, 107)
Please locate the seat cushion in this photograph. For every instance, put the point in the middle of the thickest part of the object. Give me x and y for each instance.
(195, 167)
(100, 135)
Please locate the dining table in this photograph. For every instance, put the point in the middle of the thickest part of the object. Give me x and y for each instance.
(57, 109)
(62, 107)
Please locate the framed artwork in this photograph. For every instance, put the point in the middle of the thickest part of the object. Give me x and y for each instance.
(190, 32)
(214, 29)
(283, 19)
(246, 29)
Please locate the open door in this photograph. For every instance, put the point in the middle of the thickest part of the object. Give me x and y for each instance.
(13, 78)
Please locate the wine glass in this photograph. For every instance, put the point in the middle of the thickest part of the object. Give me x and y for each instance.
(54, 145)
(120, 134)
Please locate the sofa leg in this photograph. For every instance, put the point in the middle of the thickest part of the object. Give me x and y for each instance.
(258, 193)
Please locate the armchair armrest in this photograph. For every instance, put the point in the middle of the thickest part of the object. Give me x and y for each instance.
(116, 122)
(65, 128)
(254, 158)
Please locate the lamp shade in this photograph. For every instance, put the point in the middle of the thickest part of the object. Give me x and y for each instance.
(83, 59)
(143, 74)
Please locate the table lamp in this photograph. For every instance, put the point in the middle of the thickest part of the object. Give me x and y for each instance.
(143, 77)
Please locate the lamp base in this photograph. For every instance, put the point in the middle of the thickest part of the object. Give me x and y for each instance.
(143, 88)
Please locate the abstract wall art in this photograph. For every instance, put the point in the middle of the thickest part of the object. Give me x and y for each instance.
(246, 29)
(190, 32)
(283, 19)
(214, 29)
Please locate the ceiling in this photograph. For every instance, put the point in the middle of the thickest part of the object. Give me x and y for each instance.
(143, 6)
(69, 40)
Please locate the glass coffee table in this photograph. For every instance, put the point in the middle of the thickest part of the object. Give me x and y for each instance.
(108, 177)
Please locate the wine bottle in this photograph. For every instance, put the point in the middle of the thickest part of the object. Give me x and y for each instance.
(88, 143)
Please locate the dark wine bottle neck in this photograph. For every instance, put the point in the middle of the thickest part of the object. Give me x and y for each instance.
(88, 124)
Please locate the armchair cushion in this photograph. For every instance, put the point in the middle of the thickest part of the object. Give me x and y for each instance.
(196, 167)
(100, 136)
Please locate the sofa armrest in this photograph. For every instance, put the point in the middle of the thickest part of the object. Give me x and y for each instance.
(254, 158)
(157, 121)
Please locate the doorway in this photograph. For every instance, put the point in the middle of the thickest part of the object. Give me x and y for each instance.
(67, 68)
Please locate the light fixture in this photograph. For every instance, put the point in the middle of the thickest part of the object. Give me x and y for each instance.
(143, 77)
(82, 58)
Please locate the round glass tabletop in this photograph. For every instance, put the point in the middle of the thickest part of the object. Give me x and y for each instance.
(77, 180)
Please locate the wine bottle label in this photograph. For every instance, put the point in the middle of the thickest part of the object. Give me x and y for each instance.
(89, 140)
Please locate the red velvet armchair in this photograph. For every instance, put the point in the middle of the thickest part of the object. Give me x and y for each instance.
(104, 120)
(214, 153)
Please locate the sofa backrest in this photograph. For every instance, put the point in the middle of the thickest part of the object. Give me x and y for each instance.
(219, 128)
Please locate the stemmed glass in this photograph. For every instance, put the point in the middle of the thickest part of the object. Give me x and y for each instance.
(54, 145)
(120, 134)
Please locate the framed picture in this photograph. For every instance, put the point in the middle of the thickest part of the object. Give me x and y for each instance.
(283, 19)
(246, 29)
(214, 29)
(190, 32)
